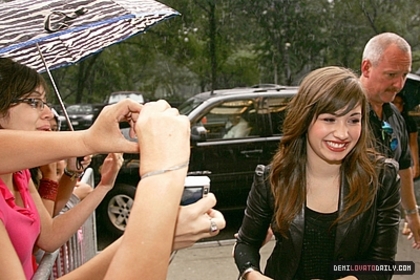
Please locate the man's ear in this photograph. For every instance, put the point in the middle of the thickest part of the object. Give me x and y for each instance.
(366, 67)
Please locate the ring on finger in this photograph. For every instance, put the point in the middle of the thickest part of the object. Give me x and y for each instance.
(213, 226)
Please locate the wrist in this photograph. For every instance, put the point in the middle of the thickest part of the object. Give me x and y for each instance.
(73, 174)
(165, 170)
(48, 189)
(50, 176)
(412, 211)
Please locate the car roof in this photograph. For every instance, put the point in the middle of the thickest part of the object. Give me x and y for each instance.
(134, 95)
(75, 108)
(126, 92)
(86, 104)
(245, 91)
(204, 99)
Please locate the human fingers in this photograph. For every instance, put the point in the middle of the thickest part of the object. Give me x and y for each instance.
(416, 244)
(193, 218)
(413, 221)
(218, 218)
(406, 230)
(208, 221)
(104, 135)
(204, 205)
(194, 223)
(127, 110)
(200, 228)
(86, 161)
(416, 237)
(112, 162)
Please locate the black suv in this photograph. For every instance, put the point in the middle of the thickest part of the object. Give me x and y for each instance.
(228, 158)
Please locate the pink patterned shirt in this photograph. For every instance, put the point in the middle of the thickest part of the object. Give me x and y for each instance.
(22, 224)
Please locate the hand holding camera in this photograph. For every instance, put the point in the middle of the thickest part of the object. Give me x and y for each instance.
(197, 221)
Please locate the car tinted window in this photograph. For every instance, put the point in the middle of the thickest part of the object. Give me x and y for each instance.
(228, 120)
(188, 106)
(275, 110)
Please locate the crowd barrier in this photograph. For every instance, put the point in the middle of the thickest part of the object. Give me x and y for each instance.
(80, 248)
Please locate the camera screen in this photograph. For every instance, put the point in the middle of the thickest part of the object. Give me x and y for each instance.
(191, 195)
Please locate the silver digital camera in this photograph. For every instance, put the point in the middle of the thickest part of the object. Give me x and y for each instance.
(195, 188)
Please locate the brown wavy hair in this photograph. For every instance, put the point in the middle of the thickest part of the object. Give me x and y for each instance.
(325, 90)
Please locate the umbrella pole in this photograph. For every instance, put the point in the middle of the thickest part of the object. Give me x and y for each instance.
(57, 93)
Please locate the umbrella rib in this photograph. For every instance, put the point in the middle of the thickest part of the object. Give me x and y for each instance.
(57, 93)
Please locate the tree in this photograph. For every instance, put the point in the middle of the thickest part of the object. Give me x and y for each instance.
(224, 44)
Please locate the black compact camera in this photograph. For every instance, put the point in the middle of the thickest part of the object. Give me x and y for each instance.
(195, 188)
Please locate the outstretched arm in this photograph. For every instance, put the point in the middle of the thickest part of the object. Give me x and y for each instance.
(147, 242)
(37, 148)
(56, 231)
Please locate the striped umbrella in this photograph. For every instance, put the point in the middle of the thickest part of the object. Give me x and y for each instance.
(48, 34)
(70, 30)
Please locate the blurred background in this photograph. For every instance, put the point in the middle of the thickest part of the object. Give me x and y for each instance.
(233, 43)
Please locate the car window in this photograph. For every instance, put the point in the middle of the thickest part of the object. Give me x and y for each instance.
(189, 105)
(275, 108)
(228, 120)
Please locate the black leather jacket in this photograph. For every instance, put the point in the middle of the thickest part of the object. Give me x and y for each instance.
(370, 236)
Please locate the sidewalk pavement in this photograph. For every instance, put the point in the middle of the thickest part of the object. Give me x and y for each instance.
(213, 260)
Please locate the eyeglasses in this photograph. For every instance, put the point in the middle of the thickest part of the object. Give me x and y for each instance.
(35, 103)
(388, 133)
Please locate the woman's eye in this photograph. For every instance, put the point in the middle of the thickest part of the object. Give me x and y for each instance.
(355, 121)
(329, 119)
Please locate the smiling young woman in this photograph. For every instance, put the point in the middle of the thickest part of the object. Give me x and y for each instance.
(327, 196)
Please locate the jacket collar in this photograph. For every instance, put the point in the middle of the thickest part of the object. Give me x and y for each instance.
(297, 226)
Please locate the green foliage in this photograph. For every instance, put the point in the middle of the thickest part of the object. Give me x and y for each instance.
(230, 43)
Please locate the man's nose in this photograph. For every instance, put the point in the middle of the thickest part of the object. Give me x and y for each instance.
(399, 82)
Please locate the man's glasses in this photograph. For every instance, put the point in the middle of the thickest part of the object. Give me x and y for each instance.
(35, 103)
(388, 133)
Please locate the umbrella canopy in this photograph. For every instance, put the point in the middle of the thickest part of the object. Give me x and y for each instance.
(48, 34)
(66, 31)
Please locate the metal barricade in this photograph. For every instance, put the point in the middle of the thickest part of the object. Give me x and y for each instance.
(80, 248)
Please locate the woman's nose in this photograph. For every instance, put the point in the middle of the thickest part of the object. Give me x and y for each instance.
(47, 113)
(341, 131)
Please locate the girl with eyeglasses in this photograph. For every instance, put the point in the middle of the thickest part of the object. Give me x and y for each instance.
(157, 223)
